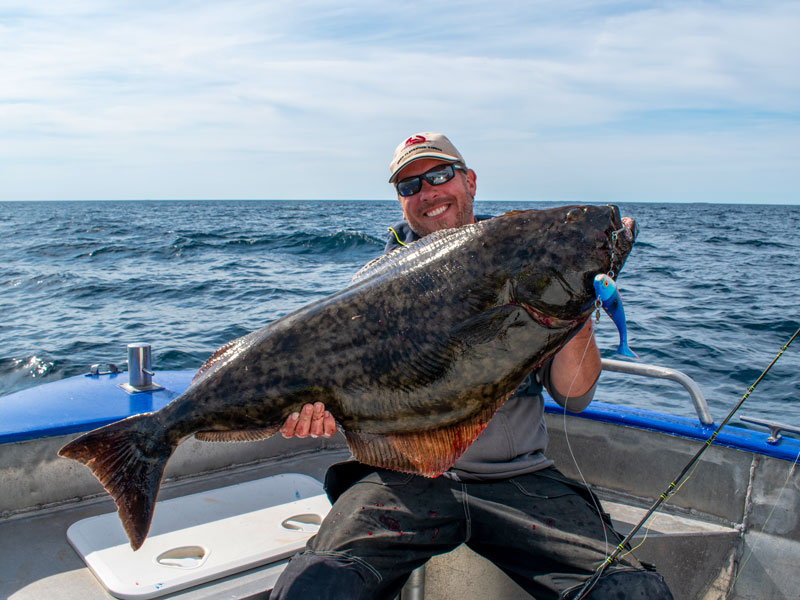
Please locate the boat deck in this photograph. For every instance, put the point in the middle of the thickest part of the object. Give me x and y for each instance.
(705, 525)
(37, 561)
(732, 530)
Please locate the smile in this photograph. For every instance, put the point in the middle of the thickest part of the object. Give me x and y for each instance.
(436, 211)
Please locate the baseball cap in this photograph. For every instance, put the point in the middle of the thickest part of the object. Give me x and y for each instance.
(423, 145)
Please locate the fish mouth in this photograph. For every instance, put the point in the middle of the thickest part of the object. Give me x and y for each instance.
(621, 236)
(548, 321)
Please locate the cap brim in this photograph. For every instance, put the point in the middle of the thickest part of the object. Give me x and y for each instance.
(445, 157)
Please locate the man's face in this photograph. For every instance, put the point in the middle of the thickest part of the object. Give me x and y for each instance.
(437, 207)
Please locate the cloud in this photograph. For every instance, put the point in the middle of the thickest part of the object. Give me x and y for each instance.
(307, 99)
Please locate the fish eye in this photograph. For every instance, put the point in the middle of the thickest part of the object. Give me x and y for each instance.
(574, 214)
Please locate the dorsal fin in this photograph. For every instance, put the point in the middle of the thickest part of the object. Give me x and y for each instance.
(386, 262)
(218, 355)
(224, 353)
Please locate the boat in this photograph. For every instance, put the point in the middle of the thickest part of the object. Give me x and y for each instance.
(229, 515)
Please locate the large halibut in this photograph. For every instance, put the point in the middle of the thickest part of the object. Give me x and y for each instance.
(412, 358)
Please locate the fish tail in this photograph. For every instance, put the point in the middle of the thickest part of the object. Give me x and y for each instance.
(625, 350)
(128, 458)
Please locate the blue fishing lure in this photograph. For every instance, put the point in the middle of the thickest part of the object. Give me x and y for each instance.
(606, 291)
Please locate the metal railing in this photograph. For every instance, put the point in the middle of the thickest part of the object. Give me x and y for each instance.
(645, 370)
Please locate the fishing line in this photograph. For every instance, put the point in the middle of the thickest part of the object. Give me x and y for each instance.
(672, 488)
(651, 522)
(569, 446)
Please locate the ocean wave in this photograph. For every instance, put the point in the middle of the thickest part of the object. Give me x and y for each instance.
(21, 372)
(708, 290)
(112, 249)
(295, 242)
(172, 359)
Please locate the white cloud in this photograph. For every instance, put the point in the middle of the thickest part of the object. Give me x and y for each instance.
(307, 99)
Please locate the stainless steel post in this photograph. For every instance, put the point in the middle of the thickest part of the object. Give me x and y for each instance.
(139, 365)
(140, 373)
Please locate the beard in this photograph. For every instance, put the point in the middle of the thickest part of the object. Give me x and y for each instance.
(459, 213)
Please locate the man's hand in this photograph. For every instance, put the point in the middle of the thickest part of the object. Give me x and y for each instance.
(312, 420)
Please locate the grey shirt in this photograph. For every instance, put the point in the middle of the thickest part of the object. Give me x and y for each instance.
(515, 439)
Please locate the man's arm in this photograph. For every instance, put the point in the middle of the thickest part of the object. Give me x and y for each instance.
(576, 367)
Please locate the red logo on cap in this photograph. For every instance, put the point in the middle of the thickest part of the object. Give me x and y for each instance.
(414, 139)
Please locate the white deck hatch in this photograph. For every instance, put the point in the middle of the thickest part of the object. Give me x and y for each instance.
(205, 536)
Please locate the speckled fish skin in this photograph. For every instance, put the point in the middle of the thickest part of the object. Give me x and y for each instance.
(424, 334)
(426, 339)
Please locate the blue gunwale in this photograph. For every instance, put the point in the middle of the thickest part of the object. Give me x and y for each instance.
(85, 402)
(730, 436)
(81, 403)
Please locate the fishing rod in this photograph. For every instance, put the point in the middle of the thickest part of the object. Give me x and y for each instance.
(672, 488)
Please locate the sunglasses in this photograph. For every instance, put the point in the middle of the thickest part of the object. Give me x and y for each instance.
(435, 176)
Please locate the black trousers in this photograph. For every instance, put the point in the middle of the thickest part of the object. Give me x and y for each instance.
(542, 529)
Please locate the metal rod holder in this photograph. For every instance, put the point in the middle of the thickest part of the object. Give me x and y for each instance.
(140, 373)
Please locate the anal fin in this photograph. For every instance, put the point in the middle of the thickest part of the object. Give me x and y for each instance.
(426, 453)
(239, 435)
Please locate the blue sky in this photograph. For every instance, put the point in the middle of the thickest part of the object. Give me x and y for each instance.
(295, 99)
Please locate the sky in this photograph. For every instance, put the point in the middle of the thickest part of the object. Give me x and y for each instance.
(551, 100)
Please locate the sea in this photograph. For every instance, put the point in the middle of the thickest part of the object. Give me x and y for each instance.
(710, 290)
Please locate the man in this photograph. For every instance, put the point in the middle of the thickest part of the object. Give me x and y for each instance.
(503, 497)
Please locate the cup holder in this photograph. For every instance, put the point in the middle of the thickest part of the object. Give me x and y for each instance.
(183, 557)
(307, 522)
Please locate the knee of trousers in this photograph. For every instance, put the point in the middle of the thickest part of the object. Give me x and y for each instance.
(324, 576)
(630, 585)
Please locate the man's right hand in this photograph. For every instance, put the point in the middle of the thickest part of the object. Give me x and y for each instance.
(312, 420)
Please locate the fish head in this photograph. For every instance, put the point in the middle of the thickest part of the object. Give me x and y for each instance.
(604, 287)
(566, 248)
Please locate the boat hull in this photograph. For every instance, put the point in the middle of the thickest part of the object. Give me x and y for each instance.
(740, 499)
